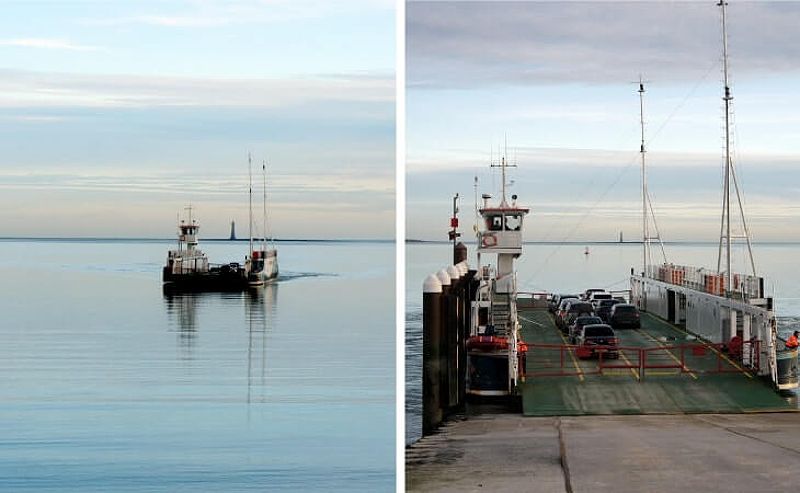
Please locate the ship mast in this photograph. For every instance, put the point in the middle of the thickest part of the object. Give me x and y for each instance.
(730, 173)
(647, 204)
(250, 216)
(503, 165)
(264, 172)
(645, 232)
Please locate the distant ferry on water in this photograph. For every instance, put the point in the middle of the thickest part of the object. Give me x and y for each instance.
(188, 267)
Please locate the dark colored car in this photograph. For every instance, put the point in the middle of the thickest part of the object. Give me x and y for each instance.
(552, 302)
(603, 309)
(555, 301)
(624, 315)
(594, 339)
(579, 323)
(574, 310)
(562, 310)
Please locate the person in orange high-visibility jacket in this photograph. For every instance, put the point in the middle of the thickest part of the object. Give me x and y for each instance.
(792, 342)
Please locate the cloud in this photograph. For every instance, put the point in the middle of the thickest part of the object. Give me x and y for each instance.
(205, 14)
(20, 89)
(47, 43)
(538, 159)
(477, 44)
(172, 184)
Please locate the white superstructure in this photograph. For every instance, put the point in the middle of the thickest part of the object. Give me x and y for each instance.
(499, 236)
(187, 258)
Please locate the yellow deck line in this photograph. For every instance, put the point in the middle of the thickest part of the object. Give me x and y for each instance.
(712, 348)
(669, 353)
(572, 355)
(635, 372)
(574, 361)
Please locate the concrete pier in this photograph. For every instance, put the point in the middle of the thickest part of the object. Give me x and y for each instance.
(624, 454)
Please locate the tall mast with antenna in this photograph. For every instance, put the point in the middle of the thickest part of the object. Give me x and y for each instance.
(250, 191)
(503, 168)
(264, 173)
(647, 204)
(477, 214)
(730, 173)
(726, 206)
(645, 232)
(503, 165)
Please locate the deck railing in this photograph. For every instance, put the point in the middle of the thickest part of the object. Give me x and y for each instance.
(697, 358)
(743, 286)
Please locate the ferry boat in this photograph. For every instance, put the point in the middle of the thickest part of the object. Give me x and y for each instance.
(706, 341)
(188, 267)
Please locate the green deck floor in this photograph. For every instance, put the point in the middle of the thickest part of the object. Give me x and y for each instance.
(620, 391)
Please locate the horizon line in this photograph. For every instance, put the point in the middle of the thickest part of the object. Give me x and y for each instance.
(144, 238)
(605, 242)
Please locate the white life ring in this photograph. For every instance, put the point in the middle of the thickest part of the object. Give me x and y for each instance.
(488, 240)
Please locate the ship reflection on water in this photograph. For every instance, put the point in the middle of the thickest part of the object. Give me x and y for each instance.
(259, 309)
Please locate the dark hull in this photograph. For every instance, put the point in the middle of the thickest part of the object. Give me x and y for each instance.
(488, 373)
(206, 281)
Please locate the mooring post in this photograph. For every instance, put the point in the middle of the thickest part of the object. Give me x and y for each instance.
(464, 329)
(432, 323)
(453, 327)
(446, 304)
(459, 253)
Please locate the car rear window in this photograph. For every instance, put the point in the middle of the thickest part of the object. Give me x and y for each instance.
(588, 320)
(581, 307)
(601, 296)
(564, 301)
(598, 331)
(624, 309)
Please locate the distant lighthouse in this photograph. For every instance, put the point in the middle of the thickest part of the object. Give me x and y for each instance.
(233, 231)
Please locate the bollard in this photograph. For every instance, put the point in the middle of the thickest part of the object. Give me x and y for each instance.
(432, 324)
(442, 341)
(459, 253)
(453, 326)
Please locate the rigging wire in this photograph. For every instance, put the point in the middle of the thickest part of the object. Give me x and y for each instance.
(618, 177)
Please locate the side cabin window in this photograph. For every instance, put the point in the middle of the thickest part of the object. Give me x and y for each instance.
(513, 222)
(494, 223)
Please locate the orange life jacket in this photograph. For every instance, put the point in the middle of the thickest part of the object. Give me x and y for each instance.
(791, 342)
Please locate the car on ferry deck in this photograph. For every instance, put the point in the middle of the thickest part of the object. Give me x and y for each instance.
(579, 323)
(624, 315)
(562, 309)
(597, 296)
(603, 309)
(595, 339)
(574, 310)
(586, 295)
(555, 301)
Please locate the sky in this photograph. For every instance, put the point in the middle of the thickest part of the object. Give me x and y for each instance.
(114, 116)
(557, 81)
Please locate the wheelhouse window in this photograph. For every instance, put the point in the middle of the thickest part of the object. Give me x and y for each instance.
(494, 222)
(513, 222)
(504, 222)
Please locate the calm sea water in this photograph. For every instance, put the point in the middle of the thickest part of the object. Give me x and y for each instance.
(108, 384)
(565, 268)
